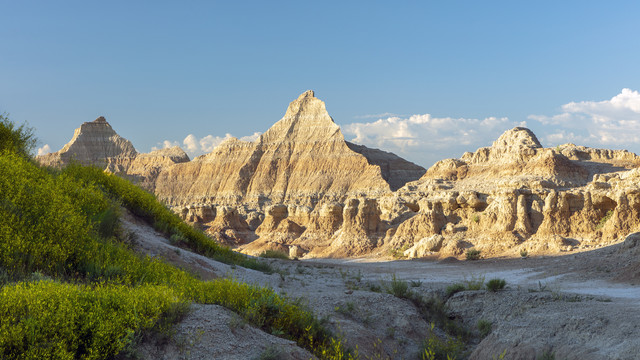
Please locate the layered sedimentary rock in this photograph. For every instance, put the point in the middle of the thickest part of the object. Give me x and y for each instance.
(300, 188)
(302, 159)
(96, 143)
(516, 195)
(93, 143)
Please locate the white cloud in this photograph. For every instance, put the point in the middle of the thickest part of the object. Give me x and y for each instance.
(196, 147)
(377, 116)
(425, 139)
(44, 150)
(610, 123)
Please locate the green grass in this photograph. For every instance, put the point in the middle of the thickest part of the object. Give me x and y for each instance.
(454, 288)
(273, 254)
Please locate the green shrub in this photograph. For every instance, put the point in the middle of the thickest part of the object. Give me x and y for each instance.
(146, 206)
(398, 288)
(454, 288)
(484, 327)
(496, 284)
(274, 254)
(473, 254)
(19, 140)
(524, 253)
(475, 283)
(435, 348)
(46, 319)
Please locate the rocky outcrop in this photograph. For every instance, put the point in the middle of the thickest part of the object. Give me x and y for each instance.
(301, 189)
(145, 168)
(96, 143)
(93, 143)
(302, 159)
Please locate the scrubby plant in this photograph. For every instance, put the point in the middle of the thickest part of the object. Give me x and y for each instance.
(436, 348)
(495, 284)
(524, 253)
(454, 288)
(16, 139)
(475, 283)
(484, 327)
(274, 254)
(398, 288)
(416, 283)
(604, 219)
(473, 254)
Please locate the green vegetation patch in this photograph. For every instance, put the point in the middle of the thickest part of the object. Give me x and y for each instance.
(49, 320)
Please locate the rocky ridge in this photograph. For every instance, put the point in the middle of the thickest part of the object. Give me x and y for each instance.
(300, 188)
(96, 143)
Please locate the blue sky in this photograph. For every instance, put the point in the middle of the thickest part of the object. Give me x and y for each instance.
(427, 80)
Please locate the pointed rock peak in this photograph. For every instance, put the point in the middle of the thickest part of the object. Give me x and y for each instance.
(519, 137)
(306, 94)
(100, 119)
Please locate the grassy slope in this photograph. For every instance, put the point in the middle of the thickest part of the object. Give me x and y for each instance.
(63, 270)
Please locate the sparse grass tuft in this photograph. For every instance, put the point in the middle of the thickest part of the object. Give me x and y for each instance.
(473, 254)
(496, 284)
(398, 288)
(604, 219)
(484, 327)
(454, 288)
(274, 254)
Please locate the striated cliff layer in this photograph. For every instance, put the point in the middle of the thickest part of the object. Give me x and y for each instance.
(302, 159)
(96, 143)
(302, 189)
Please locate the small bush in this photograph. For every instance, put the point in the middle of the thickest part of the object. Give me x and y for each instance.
(473, 254)
(547, 355)
(274, 254)
(475, 283)
(435, 348)
(416, 283)
(604, 220)
(398, 288)
(496, 284)
(454, 288)
(484, 327)
(19, 140)
(524, 253)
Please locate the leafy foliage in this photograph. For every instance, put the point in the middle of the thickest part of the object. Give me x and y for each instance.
(146, 206)
(49, 320)
(19, 140)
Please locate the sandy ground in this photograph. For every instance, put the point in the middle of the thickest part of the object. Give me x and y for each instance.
(574, 305)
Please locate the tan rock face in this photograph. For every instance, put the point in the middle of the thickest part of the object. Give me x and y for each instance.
(302, 159)
(96, 143)
(300, 188)
(93, 143)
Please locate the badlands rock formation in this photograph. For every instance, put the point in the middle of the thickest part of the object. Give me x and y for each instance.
(303, 159)
(302, 189)
(93, 143)
(96, 143)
